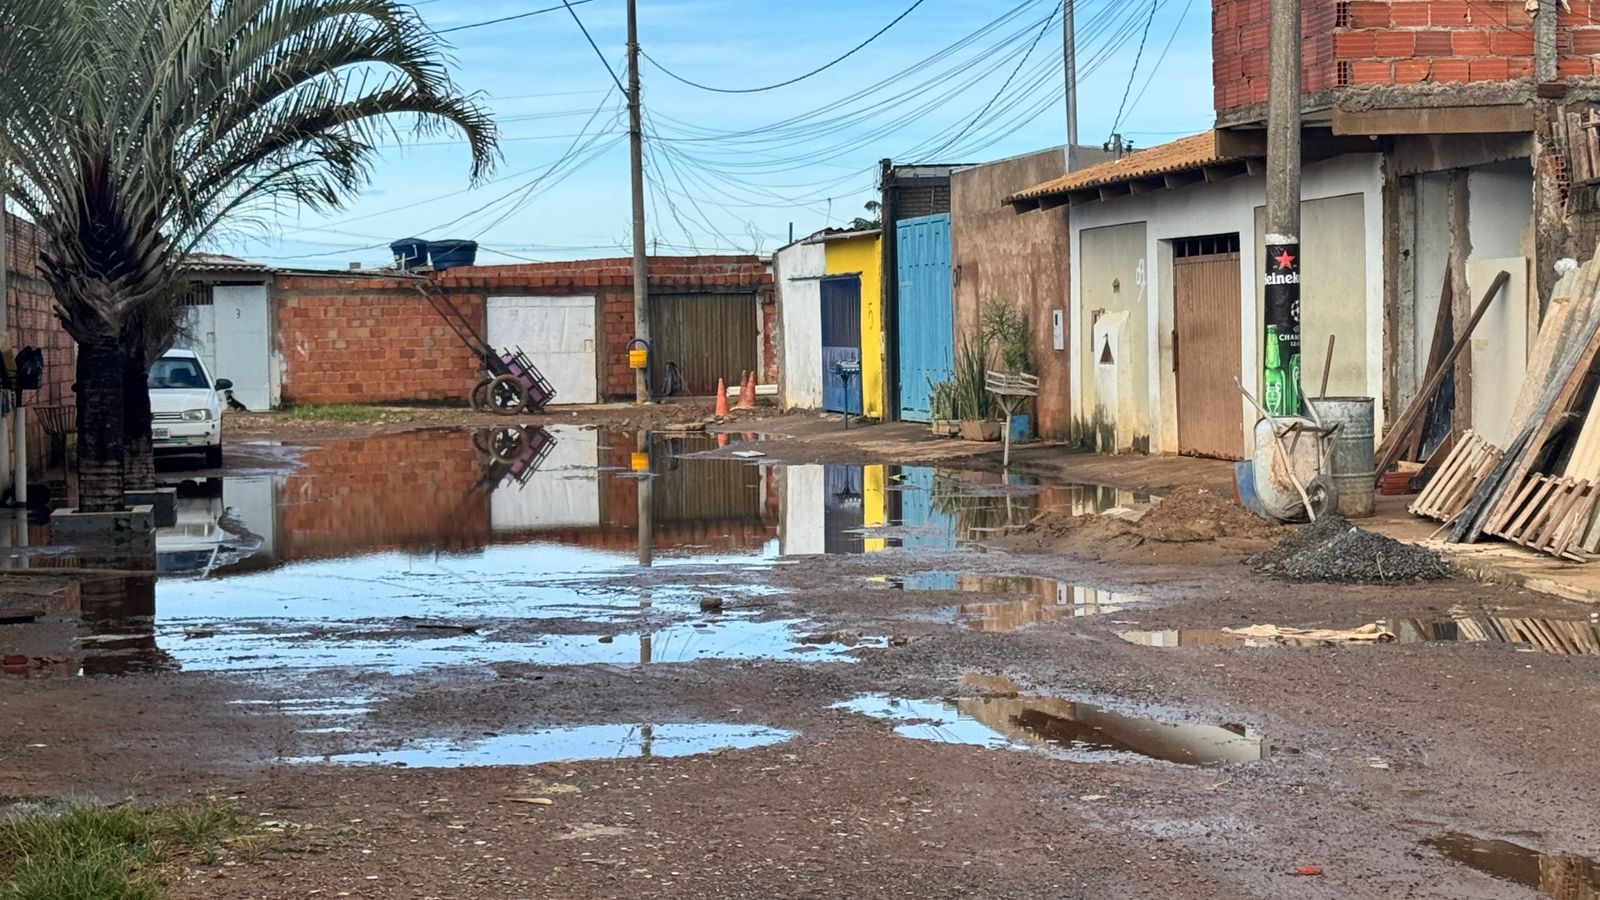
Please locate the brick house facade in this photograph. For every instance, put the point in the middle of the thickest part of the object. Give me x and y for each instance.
(31, 321)
(359, 337)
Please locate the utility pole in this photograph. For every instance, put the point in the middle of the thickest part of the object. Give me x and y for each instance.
(1069, 57)
(641, 266)
(1544, 41)
(1281, 338)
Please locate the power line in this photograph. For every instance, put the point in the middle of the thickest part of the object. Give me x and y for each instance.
(1139, 54)
(506, 18)
(798, 78)
(1009, 78)
(1157, 67)
(603, 61)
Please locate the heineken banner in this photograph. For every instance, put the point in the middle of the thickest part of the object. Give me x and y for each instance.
(1281, 356)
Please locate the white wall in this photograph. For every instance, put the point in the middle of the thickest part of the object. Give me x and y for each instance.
(797, 270)
(1228, 206)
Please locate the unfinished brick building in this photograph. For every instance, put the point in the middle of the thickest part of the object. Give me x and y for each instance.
(364, 337)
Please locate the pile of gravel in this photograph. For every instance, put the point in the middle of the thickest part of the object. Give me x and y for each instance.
(1334, 550)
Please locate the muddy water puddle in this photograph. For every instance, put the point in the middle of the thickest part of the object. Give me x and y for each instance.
(1568, 637)
(1067, 729)
(1552, 874)
(1014, 601)
(448, 547)
(584, 742)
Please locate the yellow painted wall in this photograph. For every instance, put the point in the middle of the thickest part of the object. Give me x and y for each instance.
(865, 255)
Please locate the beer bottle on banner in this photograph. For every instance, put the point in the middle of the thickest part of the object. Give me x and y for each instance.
(1273, 378)
(1291, 388)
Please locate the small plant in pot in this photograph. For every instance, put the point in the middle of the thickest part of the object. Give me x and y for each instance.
(971, 400)
(1005, 328)
(942, 406)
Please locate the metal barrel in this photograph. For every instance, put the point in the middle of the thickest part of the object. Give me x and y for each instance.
(1350, 455)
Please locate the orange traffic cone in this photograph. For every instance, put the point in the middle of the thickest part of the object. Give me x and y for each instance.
(722, 399)
(747, 392)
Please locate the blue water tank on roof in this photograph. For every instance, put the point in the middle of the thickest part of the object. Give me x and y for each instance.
(410, 253)
(451, 254)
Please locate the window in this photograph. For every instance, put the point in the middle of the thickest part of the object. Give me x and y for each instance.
(180, 374)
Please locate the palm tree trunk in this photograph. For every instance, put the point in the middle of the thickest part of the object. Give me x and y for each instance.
(140, 445)
(102, 463)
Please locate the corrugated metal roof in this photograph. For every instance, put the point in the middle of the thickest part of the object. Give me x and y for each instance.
(1184, 154)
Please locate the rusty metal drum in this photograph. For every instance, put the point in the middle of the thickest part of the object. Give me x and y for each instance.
(1350, 456)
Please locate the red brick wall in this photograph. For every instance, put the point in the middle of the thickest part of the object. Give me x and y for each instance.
(409, 491)
(1239, 49)
(1374, 42)
(354, 338)
(363, 339)
(32, 321)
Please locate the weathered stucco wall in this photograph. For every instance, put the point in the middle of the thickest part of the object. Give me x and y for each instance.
(1109, 278)
(997, 255)
(796, 271)
(864, 255)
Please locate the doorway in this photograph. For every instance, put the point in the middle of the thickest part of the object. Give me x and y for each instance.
(1206, 345)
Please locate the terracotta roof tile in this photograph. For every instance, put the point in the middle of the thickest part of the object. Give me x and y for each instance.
(1180, 155)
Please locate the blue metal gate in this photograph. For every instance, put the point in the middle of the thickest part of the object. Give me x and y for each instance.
(926, 317)
(841, 342)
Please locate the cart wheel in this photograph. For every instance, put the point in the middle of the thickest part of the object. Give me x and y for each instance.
(481, 442)
(507, 395)
(509, 444)
(479, 398)
(1324, 496)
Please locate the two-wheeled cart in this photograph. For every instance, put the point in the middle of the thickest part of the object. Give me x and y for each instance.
(510, 383)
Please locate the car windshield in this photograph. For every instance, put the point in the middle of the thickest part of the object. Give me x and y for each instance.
(177, 373)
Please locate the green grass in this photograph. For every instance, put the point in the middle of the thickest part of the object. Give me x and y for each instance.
(94, 853)
(334, 412)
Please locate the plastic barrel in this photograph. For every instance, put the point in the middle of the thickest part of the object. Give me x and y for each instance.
(451, 254)
(410, 253)
(1350, 455)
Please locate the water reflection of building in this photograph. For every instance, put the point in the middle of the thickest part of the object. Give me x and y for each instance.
(424, 491)
(827, 507)
(1041, 600)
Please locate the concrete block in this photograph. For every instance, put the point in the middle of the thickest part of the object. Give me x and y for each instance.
(132, 530)
(163, 501)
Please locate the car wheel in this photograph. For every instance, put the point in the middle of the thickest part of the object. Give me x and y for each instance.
(214, 457)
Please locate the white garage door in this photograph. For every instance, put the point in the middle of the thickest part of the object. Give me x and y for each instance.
(557, 333)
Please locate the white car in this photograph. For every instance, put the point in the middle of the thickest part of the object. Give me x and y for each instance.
(186, 407)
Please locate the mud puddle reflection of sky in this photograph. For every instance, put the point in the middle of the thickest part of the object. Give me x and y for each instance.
(1014, 720)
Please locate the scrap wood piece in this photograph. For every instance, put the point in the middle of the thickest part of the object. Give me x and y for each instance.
(1573, 357)
(1419, 403)
(1458, 477)
(1436, 352)
(1308, 637)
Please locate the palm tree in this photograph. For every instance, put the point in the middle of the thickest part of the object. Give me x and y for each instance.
(132, 130)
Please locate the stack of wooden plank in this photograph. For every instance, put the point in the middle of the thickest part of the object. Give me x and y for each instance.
(1457, 477)
(1541, 490)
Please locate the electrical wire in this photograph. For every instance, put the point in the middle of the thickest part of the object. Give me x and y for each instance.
(1134, 72)
(512, 18)
(590, 38)
(798, 78)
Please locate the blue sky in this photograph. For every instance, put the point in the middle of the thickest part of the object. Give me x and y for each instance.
(955, 81)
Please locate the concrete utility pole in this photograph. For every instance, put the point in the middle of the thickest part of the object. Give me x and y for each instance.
(641, 266)
(1069, 41)
(1544, 41)
(1281, 340)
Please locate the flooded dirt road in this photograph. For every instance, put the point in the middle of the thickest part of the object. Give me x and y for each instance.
(566, 661)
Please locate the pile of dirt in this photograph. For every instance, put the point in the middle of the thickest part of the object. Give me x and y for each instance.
(1191, 514)
(1208, 525)
(1332, 549)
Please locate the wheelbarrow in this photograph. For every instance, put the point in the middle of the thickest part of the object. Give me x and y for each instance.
(1288, 477)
